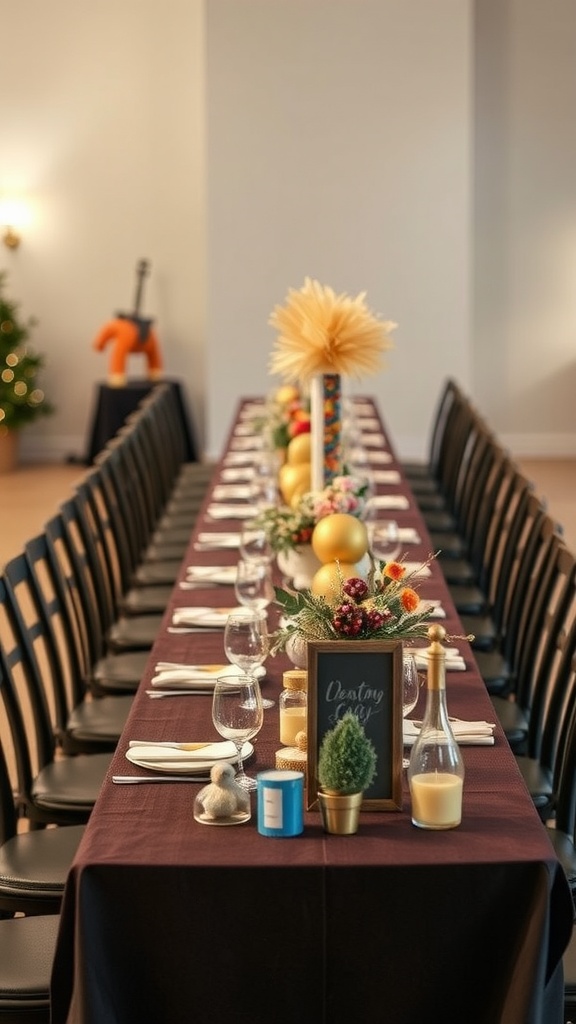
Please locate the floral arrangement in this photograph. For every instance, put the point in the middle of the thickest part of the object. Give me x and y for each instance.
(283, 420)
(385, 606)
(320, 332)
(289, 528)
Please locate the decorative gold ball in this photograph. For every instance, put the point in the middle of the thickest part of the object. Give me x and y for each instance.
(285, 394)
(340, 537)
(326, 581)
(293, 477)
(299, 449)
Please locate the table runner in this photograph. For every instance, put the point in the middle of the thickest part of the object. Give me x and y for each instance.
(395, 908)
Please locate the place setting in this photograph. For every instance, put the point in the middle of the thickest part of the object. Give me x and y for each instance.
(230, 511)
(191, 618)
(196, 679)
(208, 575)
(207, 541)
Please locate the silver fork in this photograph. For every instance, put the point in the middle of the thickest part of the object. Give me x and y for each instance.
(128, 780)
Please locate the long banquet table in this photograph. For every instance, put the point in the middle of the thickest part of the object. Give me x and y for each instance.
(167, 920)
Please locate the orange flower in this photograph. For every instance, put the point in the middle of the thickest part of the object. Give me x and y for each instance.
(394, 570)
(409, 600)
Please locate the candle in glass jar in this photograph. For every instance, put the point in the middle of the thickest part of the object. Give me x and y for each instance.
(436, 800)
(292, 721)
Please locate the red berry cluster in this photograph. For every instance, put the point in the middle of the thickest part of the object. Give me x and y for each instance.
(349, 619)
(355, 588)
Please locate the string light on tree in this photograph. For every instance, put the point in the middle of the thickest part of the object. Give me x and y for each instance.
(21, 400)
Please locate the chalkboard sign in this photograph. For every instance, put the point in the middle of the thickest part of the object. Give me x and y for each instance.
(366, 678)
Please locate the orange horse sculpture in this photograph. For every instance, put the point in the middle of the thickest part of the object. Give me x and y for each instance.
(130, 333)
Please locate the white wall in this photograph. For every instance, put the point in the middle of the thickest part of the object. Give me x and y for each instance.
(102, 113)
(524, 372)
(421, 150)
(339, 148)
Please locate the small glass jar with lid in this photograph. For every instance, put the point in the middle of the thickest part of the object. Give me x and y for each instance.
(293, 704)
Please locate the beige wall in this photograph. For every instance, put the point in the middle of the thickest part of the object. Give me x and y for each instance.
(421, 150)
(102, 108)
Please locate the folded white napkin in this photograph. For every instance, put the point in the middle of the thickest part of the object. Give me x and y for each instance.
(161, 752)
(214, 541)
(238, 458)
(243, 430)
(196, 676)
(231, 511)
(211, 573)
(436, 611)
(374, 439)
(422, 571)
(408, 535)
(203, 617)
(237, 473)
(467, 733)
(362, 407)
(378, 458)
(223, 491)
(390, 501)
(385, 476)
(454, 662)
(245, 444)
(252, 409)
(368, 423)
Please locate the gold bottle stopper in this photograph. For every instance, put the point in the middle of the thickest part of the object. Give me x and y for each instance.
(436, 658)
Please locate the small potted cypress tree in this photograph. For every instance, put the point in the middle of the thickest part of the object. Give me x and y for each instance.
(346, 767)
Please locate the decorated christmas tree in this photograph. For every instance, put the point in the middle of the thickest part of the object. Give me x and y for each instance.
(21, 399)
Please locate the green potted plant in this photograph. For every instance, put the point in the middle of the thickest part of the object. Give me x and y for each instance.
(21, 400)
(346, 767)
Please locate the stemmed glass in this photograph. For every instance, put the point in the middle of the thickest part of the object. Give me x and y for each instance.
(410, 690)
(253, 585)
(383, 535)
(237, 715)
(254, 543)
(246, 641)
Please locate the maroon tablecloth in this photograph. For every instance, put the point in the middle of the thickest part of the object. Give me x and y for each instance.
(166, 920)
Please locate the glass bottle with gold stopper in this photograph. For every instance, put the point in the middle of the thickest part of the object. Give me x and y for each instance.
(436, 770)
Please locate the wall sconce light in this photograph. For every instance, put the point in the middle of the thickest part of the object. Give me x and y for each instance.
(13, 214)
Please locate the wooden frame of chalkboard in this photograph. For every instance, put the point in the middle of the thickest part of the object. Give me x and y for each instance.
(365, 677)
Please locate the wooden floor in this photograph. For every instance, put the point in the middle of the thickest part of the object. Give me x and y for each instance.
(31, 494)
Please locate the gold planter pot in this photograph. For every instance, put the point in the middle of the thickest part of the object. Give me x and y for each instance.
(340, 813)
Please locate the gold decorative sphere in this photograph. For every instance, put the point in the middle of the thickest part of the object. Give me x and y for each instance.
(299, 450)
(292, 478)
(326, 581)
(285, 394)
(340, 537)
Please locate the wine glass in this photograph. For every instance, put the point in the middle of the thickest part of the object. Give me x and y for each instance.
(383, 535)
(246, 641)
(237, 715)
(264, 484)
(253, 585)
(410, 690)
(254, 543)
